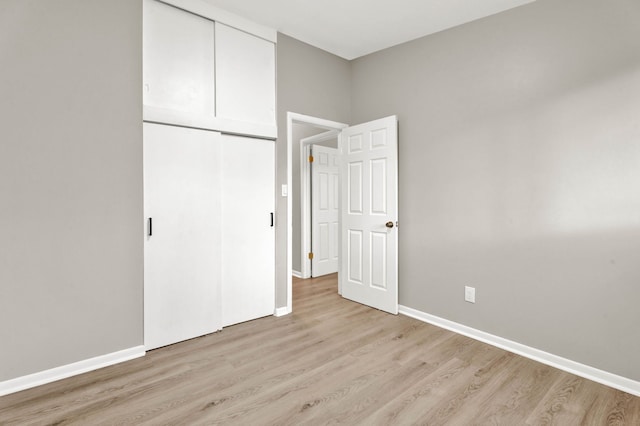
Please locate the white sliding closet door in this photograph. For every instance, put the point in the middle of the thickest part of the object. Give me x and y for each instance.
(248, 238)
(182, 181)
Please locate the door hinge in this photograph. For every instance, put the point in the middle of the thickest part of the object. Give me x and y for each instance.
(311, 158)
(311, 256)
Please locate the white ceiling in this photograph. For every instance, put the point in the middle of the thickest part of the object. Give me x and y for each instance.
(353, 28)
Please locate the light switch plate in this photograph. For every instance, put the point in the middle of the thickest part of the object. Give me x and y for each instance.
(285, 190)
(470, 294)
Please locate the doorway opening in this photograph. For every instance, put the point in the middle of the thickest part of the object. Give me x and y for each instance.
(368, 207)
(302, 132)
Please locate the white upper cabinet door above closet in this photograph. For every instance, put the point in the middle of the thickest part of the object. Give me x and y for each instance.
(179, 66)
(200, 72)
(245, 80)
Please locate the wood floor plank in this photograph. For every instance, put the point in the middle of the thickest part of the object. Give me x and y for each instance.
(331, 361)
(519, 395)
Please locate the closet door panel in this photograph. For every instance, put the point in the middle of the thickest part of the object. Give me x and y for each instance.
(179, 65)
(182, 181)
(245, 77)
(248, 238)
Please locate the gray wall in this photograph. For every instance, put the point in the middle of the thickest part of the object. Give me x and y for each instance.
(519, 174)
(71, 252)
(311, 82)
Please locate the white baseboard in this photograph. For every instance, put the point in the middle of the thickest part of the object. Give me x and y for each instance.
(62, 372)
(280, 312)
(609, 379)
(296, 274)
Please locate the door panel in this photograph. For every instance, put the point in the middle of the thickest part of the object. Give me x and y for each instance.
(325, 210)
(354, 263)
(378, 251)
(369, 262)
(248, 238)
(355, 187)
(182, 266)
(378, 188)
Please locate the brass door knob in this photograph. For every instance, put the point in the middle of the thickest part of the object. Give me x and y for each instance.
(389, 224)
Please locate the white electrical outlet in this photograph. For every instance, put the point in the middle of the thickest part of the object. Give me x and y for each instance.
(470, 294)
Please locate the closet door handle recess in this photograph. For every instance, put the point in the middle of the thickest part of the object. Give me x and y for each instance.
(272, 219)
(150, 226)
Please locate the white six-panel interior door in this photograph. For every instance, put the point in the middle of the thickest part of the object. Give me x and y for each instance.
(325, 210)
(369, 212)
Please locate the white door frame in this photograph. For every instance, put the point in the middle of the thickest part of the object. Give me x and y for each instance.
(305, 196)
(321, 123)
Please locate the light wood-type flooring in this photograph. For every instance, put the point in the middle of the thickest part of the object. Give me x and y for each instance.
(332, 361)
